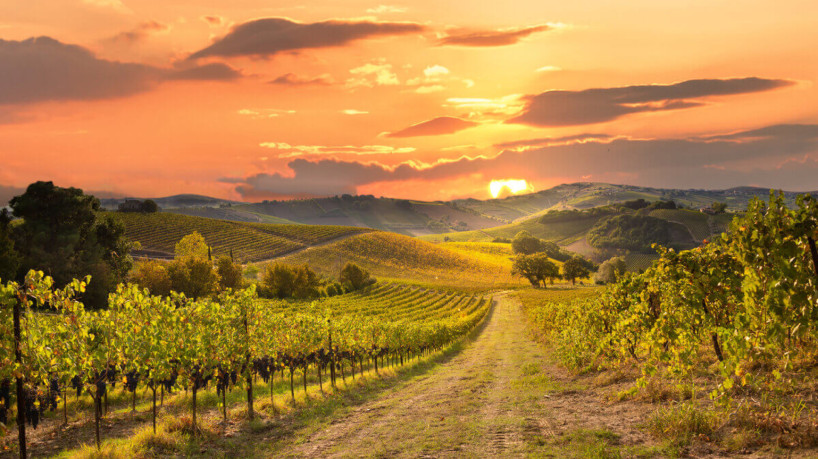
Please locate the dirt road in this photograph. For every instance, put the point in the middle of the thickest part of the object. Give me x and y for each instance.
(495, 398)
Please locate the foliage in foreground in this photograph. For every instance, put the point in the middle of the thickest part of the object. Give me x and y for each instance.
(166, 342)
(742, 311)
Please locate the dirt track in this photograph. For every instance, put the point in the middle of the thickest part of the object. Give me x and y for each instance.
(495, 398)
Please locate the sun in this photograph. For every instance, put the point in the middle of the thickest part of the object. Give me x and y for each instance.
(514, 186)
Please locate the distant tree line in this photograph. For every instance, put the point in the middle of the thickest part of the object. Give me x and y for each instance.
(133, 205)
(534, 261)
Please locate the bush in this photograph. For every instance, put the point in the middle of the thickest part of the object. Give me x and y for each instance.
(353, 277)
(283, 281)
(153, 276)
(194, 277)
(611, 270)
(230, 274)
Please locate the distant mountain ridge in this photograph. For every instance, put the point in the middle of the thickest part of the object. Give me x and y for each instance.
(419, 218)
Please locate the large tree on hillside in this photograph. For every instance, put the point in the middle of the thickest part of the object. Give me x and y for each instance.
(62, 235)
(537, 268)
(526, 244)
(575, 268)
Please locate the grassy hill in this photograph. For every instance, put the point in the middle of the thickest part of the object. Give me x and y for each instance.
(398, 257)
(159, 232)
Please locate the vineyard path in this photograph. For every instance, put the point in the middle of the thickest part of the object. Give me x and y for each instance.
(497, 397)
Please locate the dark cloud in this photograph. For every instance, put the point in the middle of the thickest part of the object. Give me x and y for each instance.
(291, 79)
(41, 69)
(214, 71)
(139, 33)
(436, 126)
(571, 108)
(786, 158)
(486, 38)
(269, 36)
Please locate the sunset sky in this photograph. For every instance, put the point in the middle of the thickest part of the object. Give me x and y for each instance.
(423, 99)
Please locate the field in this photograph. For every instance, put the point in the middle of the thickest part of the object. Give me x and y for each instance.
(159, 232)
(393, 256)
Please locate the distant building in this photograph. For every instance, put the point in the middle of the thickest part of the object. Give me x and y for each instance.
(131, 205)
(707, 210)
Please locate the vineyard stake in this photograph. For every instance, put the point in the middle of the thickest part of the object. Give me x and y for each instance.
(21, 401)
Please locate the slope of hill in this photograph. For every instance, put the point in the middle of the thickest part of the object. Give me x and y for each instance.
(394, 256)
(159, 232)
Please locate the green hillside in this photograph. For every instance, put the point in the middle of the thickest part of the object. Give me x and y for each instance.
(159, 232)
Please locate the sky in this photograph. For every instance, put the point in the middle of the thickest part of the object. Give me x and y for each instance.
(421, 99)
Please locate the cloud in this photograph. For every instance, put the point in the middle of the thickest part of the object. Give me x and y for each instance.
(572, 108)
(211, 72)
(543, 141)
(373, 74)
(351, 111)
(785, 156)
(270, 36)
(549, 68)
(115, 5)
(487, 38)
(41, 69)
(213, 21)
(139, 33)
(262, 113)
(291, 79)
(476, 107)
(381, 9)
(436, 126)
(290, 151)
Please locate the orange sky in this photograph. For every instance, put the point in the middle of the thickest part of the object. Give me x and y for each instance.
(263, 99)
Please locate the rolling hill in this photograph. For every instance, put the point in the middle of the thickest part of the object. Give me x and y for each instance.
(398, 257)
(159, 232)
(420, 218)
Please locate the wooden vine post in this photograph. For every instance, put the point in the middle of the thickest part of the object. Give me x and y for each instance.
(21, 397)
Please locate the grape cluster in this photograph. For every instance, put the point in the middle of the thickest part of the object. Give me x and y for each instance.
(131, 380)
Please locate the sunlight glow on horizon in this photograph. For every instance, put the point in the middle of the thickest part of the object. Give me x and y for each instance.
(513, 186)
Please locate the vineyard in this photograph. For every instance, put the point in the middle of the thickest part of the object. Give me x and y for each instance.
(165, 344)
(729, 327)
(393, 256)
(246, 241)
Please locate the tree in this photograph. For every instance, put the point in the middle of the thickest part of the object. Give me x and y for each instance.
(354, 277)
(537, 268)
(306, 283)
(149, 206)
(230, 274)
(152, 275)
(9, 258)
(278, 280)
(611, 270)
(62, 235)
(718, 207)
(574, 269)
(195, 277)
(192, 246)
(283, 281)
(526, 244)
